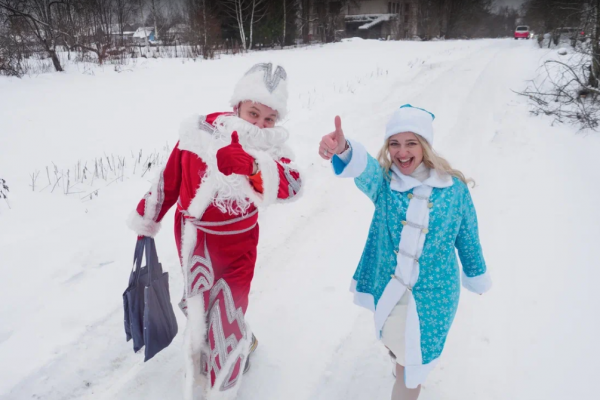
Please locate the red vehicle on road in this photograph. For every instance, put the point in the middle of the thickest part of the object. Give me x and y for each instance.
(522, 32)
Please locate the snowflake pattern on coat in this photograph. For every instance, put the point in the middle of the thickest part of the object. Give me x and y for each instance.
(452, 225)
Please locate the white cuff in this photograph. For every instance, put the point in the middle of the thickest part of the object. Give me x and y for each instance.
(142, 226)
(478, 284)
(357, 164)
(346, 155)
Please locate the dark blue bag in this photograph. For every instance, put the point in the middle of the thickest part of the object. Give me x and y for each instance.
(149, 317)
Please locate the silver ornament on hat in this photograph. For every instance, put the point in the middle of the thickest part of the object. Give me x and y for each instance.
(271, 79)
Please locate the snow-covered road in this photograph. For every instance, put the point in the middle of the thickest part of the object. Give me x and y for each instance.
(65, 262)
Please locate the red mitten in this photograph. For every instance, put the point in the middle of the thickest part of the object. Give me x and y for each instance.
(233, 159)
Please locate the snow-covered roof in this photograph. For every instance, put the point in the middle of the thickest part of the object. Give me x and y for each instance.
(369, 20)
(143, 32)
(179, 28)
(125, 33)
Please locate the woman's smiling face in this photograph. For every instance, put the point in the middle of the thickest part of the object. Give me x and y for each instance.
(405, 151)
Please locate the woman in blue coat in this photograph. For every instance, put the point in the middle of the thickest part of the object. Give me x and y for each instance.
(408, 274)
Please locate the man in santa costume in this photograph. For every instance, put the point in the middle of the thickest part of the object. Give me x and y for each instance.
(225, 166)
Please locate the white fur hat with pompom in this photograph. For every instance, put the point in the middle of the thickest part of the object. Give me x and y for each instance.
(263, 85)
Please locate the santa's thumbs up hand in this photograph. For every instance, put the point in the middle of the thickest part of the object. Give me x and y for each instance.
(334, 142)
(235, 138)
(232, 159)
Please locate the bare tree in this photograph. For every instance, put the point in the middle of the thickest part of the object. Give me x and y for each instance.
(284, 20)
(124, 10)
(155, 17)
(595, 68)
(565, 94)
(91, 26)
(568, 89)
(257, 13)
(197, 11)
(38, 16)
(238, 11)
(465, 16)
(432, 18)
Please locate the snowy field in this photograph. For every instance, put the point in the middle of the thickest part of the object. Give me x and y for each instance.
(65, 259)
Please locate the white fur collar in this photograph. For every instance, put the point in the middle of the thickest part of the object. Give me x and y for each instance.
(232, 194)
(404, 183)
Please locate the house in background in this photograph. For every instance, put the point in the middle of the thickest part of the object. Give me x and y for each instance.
(177, 33)
(329, 20)
(143, 35)
(381, 19)
(124, 38)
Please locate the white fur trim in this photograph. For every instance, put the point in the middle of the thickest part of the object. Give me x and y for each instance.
(415, 372)
(195, 382)
(358, 163)
(412, 239)
(233, 194)
(265, 85)
(141, 225)
(415, 375)
(365, 300)
(411, 119)
(194, 342)
(242, 349)
(189, 239)
(403, 183)
(392, 294)
(477, 284)
(203, 197)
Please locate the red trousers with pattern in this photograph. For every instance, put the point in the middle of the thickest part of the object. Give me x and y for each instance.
(220, 267)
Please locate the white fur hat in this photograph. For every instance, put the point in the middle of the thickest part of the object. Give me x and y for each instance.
(260, 84)
(411, 119)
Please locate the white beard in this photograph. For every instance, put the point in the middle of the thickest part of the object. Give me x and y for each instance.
(229, 193)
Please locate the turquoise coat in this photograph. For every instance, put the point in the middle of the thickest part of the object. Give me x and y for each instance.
(416, 230)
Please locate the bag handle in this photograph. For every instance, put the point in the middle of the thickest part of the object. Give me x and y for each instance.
(137, 262)
(148, 246)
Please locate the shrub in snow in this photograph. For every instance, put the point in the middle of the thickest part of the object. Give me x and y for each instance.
(565, 89)
(3, 189)
(85, 179)
(10, 64)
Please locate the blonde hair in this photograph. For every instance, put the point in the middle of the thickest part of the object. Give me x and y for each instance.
(431, 159)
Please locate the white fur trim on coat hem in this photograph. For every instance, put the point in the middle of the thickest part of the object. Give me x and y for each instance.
(242, 349)
(361, 299)
(195, 382)
(415, 375)
(142, 226)
(478, 284)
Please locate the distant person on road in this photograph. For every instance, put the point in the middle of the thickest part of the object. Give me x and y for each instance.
(409, 275)
(223, 168)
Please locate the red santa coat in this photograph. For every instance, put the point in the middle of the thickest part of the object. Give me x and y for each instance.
(217, 232)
